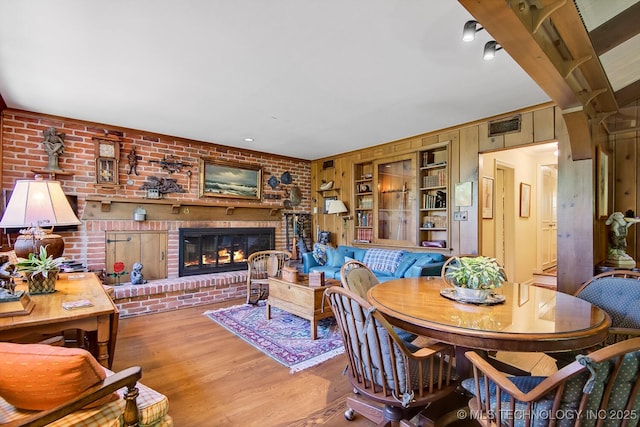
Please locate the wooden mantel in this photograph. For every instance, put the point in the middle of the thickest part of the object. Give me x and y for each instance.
(113, 208)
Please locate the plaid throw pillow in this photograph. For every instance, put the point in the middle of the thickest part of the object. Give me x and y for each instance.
(382, 260)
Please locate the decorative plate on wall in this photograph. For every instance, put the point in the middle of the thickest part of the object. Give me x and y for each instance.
(286, 178)
(273, 182)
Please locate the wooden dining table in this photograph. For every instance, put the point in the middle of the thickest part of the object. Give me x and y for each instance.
(521, 318)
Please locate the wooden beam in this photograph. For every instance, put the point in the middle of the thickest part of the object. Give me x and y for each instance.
(540, 15)
(617, 30)
(116, 208)
(506, 25)
(628, 94)
(577, 124)
(568, 24)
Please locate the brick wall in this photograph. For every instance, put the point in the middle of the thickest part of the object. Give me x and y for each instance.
(22, 152)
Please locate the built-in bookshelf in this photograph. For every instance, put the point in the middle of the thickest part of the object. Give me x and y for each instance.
(363, 191)
(434, 196)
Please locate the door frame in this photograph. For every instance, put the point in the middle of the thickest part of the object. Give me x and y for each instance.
(507, 210)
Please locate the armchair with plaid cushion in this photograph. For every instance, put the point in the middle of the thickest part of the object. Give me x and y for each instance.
(56, 386)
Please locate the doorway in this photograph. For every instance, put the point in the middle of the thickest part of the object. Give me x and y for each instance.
(548, 219)
(521, 240)
(504, 236)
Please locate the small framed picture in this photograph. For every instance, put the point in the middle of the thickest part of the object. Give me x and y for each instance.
(326, 202)
(487, 197)
(525, 200)
(523, 294)
(364, 188)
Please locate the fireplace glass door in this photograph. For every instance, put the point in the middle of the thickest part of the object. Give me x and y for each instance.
(221, 249)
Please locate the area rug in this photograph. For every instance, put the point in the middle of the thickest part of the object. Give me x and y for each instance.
(285, 338)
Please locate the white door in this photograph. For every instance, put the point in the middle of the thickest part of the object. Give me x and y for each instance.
(504, 236)
(499, 217)
(548, 216)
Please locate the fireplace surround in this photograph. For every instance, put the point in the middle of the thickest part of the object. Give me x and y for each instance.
(214, 250)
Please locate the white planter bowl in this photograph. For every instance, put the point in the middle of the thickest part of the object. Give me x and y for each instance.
(473, 294)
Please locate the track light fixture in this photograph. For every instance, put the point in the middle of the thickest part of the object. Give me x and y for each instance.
(470, 30)
(490, 49)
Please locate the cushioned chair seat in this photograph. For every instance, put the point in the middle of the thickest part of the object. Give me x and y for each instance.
(598, 387)
(541, 408)
(619, 297)
(152, 407)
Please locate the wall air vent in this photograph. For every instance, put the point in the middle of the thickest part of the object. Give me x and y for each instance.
(502, 126)
(327, 164)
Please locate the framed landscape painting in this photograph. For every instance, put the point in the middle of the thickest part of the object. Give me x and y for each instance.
(226, 179)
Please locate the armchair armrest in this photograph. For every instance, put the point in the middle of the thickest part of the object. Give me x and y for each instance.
(125, 378)
(432, 269)
(308, 261)
(619, 334)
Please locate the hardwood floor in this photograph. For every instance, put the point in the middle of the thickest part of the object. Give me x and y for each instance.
(213, 378)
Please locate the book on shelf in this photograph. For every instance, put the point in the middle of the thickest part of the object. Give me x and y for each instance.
(364, 235)
(439, 179)
(428, 159)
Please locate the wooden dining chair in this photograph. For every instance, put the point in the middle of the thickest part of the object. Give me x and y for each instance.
(262, 265)
(381, 368)
(602, 388)
(358, 278)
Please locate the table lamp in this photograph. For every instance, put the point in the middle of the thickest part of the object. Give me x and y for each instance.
(336, 207)
(34, 204)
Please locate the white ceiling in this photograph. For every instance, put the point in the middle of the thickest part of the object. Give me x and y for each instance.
(304, 78)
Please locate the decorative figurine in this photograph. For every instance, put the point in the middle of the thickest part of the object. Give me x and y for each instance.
(618, 228)
(7, 272)
(162, 185)
(133, 161)
(441, 199)
(54, 146)
(324, 237)
(136, 274)
(171, 164)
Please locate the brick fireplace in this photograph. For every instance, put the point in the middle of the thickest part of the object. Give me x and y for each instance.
(105, 210)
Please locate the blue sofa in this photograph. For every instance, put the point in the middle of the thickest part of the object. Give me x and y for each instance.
(386, 264)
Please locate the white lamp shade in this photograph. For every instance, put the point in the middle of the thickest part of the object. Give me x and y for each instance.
(38, 203)
(336, 207)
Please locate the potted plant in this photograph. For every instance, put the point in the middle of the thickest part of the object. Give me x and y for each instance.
(475, 278)
(41, 271)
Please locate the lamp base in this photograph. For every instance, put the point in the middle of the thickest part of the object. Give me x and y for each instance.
(25, 244)
(21, 305)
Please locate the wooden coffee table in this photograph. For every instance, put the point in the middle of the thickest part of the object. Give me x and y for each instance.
(300, 299)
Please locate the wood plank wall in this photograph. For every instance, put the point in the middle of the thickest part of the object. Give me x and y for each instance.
(581, 239)
(626, 163)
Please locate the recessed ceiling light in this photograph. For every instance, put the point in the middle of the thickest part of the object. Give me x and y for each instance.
(248, 140)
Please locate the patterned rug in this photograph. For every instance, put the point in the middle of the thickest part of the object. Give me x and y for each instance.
(285, 338)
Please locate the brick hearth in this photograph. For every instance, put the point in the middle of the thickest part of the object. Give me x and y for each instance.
(180, 292)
